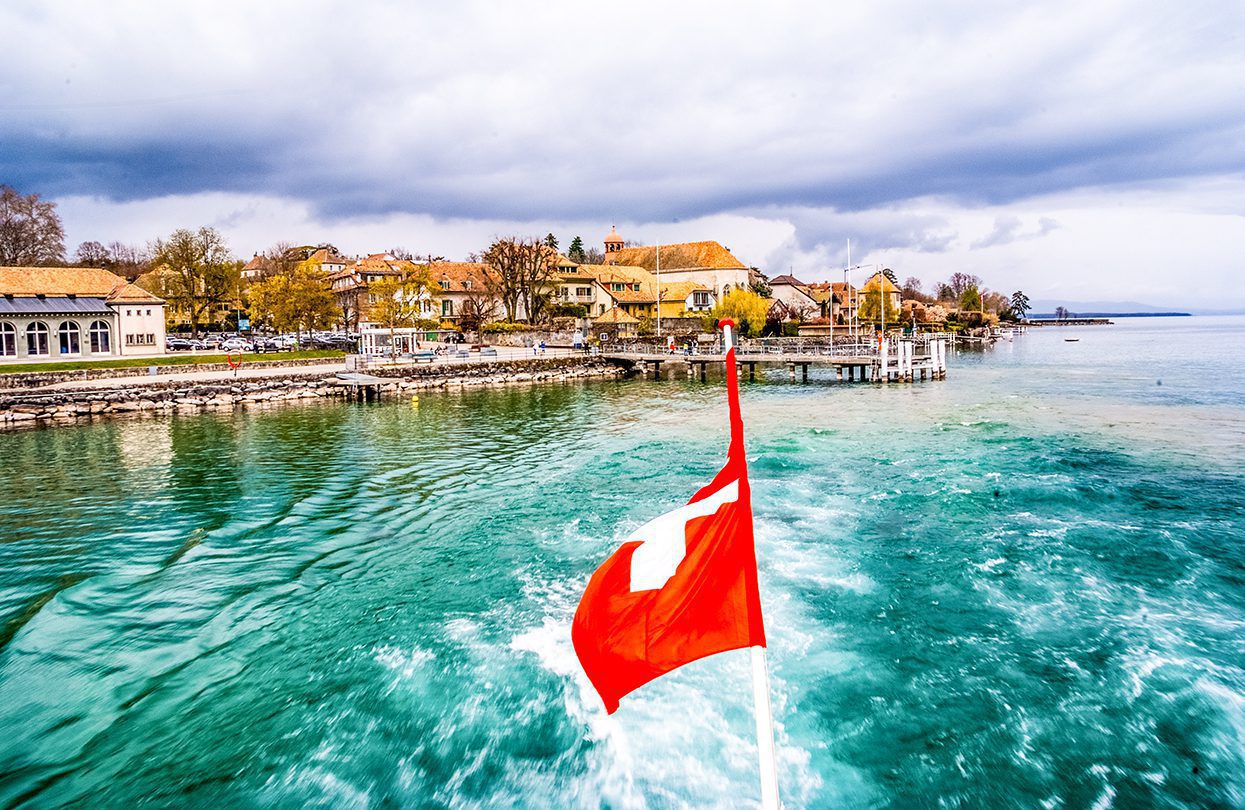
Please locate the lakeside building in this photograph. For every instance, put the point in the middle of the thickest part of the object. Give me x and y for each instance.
(321, 259)
(705, 263)
(463, 286)
(575, 285)
(878, 280)
(632, 290)
(614, 324)
(799, 298)
(682, 299)
(49, 313)
(848, 306)
(600, 288)
(351, 287)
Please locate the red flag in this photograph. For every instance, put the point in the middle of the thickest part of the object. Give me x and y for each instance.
(683, 586)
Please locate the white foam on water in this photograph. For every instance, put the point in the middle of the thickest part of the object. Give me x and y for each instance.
(403, 662)
(462, 630)
(315, 785)
(686, 739)
(1105, 799)
(551, 644)
(1233, 705)
(989, 565)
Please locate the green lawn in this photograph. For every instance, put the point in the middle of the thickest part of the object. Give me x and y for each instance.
(165, 360)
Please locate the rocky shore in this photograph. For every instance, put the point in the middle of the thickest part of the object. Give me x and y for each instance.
(22, 408)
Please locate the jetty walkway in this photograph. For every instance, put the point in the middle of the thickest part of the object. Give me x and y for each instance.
(905, 359)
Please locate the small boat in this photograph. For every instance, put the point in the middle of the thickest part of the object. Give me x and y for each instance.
(1070, 340)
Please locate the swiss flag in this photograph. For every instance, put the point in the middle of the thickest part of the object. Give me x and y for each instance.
(681, 587)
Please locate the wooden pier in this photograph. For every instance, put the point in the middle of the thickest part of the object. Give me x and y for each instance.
(363, 387)
(902, 360)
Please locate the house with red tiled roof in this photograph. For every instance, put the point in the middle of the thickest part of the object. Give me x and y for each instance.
(796, 296)
(706, 263)
(632, 290)
(350, 287)
(685, 299)
(615, 323)
(463, 287)
(49, 313)
(880, 281)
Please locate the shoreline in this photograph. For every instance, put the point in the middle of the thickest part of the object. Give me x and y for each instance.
(56, 407)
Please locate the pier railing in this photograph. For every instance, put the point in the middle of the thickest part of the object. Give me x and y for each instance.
(790, 346)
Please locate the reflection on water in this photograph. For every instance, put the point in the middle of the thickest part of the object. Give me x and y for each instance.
(1021, 586)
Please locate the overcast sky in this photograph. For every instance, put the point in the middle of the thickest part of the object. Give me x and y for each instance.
(1076, 150)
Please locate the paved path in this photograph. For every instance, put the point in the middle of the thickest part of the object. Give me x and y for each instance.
(504, 354)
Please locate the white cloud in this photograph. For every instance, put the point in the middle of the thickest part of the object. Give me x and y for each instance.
(781, 128)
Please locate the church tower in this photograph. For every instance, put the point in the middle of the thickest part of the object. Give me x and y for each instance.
(613, 243)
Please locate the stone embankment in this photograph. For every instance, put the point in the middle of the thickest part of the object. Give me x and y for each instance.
(16, 379)
(33, 407)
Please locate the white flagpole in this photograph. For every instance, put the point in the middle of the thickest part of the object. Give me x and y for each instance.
(765, 730)
(659, 289)
(760, 683)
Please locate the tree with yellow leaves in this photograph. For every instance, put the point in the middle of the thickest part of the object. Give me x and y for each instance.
(402, 300)
(747, 309)
(295, 300)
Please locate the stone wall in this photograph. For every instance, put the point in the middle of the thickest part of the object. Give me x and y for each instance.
(529, 338)
(25, 408)
(17, 379)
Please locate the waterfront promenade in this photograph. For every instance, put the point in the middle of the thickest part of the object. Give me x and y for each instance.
(504, 355)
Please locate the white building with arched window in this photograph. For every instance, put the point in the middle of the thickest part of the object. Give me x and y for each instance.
(61, 313)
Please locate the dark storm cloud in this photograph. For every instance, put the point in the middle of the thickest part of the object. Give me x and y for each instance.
(655, 114)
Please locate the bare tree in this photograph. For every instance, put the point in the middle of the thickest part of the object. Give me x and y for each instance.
(960, 282)
(504, 277)
(539, 268)
(478, 308)
(30, 230)
(401, 254)
(128, 261)
(93, 254)
(912, 288)
(520, 273)
(282, 259)
(995, 302)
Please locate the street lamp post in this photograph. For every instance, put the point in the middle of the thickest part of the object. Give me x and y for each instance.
(855, 319)
(659, 289)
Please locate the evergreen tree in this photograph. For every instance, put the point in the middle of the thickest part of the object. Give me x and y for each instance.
(1020, 304)
(551, 241)
(970, 300)
(576, 251)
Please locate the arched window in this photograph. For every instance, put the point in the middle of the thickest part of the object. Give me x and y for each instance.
(101, 342)
(37, 339)
(726, 288)
(8, 340)
(71, 338)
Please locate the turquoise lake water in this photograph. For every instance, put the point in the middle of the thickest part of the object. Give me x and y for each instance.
(1023, 586)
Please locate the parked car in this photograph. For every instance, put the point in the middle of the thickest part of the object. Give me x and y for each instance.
(235, 345)
(177, 345)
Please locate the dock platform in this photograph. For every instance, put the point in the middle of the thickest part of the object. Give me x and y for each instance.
(902, 360)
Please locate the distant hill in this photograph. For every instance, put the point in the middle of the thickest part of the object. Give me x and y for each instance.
(1078, 314)
(1096, 308)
